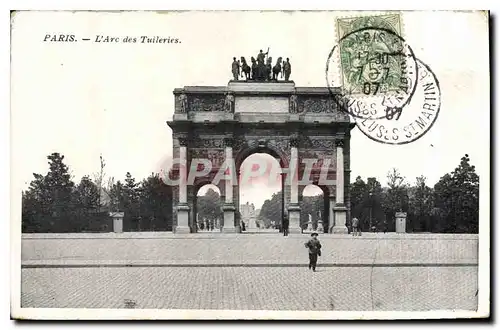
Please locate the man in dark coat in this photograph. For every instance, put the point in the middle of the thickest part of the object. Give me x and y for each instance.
(314, 247)
(285, 225)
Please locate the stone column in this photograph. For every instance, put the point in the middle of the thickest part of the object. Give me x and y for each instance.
(293, 182)
(183, 207)
(340, 210)
(228, 207)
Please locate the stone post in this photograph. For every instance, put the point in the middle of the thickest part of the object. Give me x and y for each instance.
(228, 208)
(340, 210)
(117, 221)
(183, 207)
(293, 181)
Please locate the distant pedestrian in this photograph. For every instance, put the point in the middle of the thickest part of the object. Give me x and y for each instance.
(286, 223)
(314, 247)
(355, 227)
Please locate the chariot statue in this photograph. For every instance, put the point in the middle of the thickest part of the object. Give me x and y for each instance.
(261, 68)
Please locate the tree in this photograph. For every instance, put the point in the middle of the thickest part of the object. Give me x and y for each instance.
(395, 198)
(59, 188)
(209, 207)
(99, 181)
(117, 197)
(457, 198)
(131, 205)
(35, 206)
(421, 203)
(48, 203)
(271, 210)
(358, 191)
(155, 203)
(86, 203)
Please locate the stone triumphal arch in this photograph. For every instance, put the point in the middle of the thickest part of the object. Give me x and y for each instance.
(227, 124)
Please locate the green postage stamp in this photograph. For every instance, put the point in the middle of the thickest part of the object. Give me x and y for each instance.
(371, 54)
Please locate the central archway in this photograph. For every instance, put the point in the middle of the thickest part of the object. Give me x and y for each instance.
(260, 194)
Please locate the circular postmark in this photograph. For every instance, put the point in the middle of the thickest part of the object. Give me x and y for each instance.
(403, 127)
(371, 73)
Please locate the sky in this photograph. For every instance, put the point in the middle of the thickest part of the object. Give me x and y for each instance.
(83, 99)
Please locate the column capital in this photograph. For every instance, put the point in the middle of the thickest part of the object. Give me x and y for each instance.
(228, 142)
(339, 143)
(294, 140)
(183, 140)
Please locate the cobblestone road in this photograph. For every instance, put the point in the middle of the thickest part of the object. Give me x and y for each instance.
(250, 272)
(252, 288)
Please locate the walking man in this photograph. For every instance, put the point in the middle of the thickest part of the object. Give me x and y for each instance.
(314, 247)
(355, 227)
(286, 223)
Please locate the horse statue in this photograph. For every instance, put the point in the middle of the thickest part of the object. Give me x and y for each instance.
(245, 69)
(277, 68)
(269, 68)
(254, 68)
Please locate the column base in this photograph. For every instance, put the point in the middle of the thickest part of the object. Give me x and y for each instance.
(294, 218)
(182, 220)
(339, 230)
(295, 231)
(340, 215)
(182, 230)
(228, 226)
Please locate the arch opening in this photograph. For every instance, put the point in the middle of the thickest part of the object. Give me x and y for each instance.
(260, 198)
(208, 209)
(314, 209)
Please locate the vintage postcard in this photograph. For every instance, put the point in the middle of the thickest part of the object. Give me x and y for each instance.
(250, 165)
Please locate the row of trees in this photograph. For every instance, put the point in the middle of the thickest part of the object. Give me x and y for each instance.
(272, 212)
(451, 206)
(54, 203)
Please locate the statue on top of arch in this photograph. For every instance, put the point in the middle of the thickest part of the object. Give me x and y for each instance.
(262, 68)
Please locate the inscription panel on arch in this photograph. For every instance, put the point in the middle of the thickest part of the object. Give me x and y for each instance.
(260, 104)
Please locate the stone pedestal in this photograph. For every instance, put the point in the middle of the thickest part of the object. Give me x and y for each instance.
(320, 228)
(294, 218)
(229, 219)
(400, 222)
(182, 219)
(117, 221)
(340, 214)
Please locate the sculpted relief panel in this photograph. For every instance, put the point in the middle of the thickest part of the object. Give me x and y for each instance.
(201, 103)
(208, 143)
(320, 105)
(216, 157)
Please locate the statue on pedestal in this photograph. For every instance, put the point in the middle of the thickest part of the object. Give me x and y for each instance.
(309, 223)
(235, 68)
(229, 103)
(320, 223)
(183, 103)
(293, 104)
(287, 69)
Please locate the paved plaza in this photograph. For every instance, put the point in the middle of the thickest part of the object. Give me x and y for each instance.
(256, 272)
